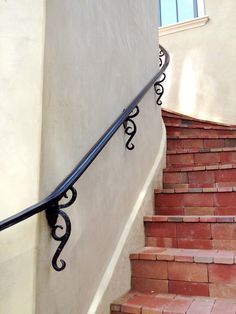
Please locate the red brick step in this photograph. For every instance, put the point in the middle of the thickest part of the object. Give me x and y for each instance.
(201, 150)
(200, 159)
(219, 203)
(197, 210)
(194, 177)
(159, 303)
(210, 273)
(194, 124)
(195, 131)
(195, 198)
(211, 142)
(197, 232)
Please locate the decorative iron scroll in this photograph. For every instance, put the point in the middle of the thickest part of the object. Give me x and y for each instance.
(159, 89)
(52, 215)
(131, 129)
(62, 238)
(161, 55)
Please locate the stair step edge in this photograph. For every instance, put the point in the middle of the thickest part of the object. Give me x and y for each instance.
(200, 150)
(167, 185)
(195, 137)
(200, 168)
(190, 218)
(172, 114)
(223, 189)
(210, 256)
(209, 126)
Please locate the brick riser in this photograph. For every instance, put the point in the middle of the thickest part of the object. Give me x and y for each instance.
(204, 233)
(194, 132)
(197, 210)
(200, 159)
(190, 242)
(186, 143)
(201, 178)
(193, 272)
(184, 278)
(198, 198)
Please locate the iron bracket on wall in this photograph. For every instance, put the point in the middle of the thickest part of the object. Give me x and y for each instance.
(159, 89)
(131, 129)
(52, 214)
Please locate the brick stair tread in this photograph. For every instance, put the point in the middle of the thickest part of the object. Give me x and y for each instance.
(195, 131)
(177, 122)
(160, 303)
(221, 189)
(200, 136)
(200, 168)
(207, 127)
(200, 150)
(169, 114)
(190, 218)
(205, 186)
(206, 256)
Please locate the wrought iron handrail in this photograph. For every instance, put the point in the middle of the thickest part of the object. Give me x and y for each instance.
(50, 204)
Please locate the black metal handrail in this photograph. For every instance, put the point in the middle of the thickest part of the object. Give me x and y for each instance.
(51, 203)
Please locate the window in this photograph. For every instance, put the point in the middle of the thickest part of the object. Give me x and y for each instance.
(175, 11)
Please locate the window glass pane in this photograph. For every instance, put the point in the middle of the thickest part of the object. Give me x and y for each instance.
(185, 10)
(168, 12)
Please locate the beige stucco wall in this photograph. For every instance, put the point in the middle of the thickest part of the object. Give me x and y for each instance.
(202, 74)
(132, 238)
(99, 54)
(21, 65)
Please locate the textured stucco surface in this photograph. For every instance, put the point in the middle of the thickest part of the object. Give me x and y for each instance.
(98, 56)
(121, 274)
(21, 67)
(202, 73)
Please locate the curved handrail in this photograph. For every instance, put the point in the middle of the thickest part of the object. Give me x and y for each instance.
(50, 203)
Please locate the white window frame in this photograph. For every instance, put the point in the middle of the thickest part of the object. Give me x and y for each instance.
(201, 20)
(201, 8)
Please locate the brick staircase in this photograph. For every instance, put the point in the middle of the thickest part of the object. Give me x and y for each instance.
(189, 262)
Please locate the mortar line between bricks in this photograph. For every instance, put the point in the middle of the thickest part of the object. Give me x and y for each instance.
(208, 278)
